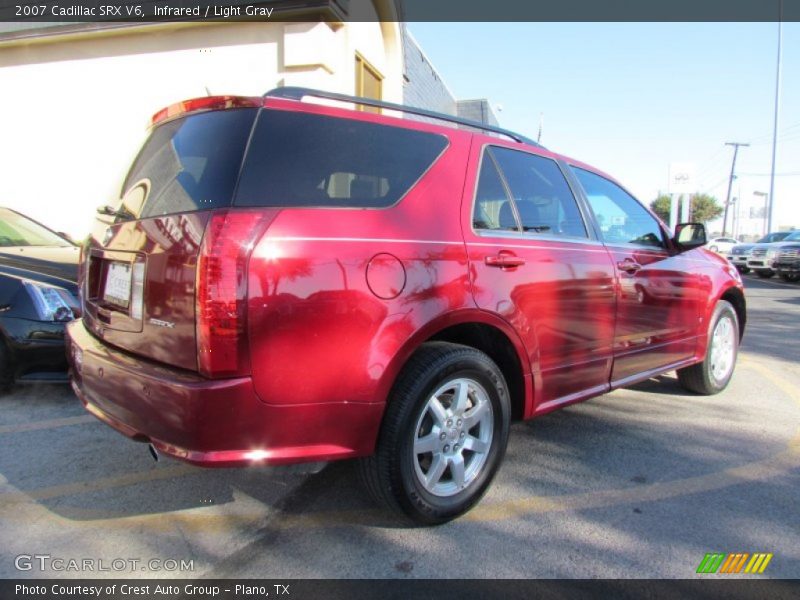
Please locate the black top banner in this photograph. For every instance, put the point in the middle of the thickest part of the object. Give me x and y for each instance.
(139, 11)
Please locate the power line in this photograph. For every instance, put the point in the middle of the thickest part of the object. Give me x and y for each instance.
(787, 174)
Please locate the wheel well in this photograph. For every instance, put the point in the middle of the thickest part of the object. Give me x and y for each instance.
(496, 345)
(736, 298)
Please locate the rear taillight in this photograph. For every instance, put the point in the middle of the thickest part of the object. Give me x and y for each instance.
(222, 292)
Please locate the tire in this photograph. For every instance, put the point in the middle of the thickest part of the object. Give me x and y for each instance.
(641, 295)
(765, 273)
(743, 270)
(424, 485)
(790, 277)
(713, 374)
(6, 372)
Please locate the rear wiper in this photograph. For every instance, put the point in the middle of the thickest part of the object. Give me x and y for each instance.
(112, 212)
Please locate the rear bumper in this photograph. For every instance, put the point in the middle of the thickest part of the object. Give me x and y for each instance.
(213, 423)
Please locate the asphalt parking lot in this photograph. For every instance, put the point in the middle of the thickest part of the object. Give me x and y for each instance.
(642, 482)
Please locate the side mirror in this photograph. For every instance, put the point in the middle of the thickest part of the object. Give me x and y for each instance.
(689, 236)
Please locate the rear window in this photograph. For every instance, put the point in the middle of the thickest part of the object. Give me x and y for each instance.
(298, 159)
(188, 164)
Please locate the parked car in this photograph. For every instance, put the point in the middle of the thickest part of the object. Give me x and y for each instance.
(299, 282)
(762, 256)
(38, 295)
(787, 262)
(721, 245)
(740, 253)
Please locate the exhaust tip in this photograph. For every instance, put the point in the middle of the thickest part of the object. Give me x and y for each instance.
(153, 451)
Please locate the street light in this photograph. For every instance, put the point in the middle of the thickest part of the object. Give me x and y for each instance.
(766, 212)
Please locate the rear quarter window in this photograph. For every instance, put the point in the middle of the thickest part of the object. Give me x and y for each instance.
(300, 159)
(189, 164)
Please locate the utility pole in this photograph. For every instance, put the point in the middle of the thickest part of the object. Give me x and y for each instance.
(775, 122)
(730, 184)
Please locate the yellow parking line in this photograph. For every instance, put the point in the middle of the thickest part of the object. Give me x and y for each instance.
(201, 518)
(83, 487)
(765, 468)
(49, 424)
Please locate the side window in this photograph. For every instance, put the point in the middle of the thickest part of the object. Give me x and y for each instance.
(620, 216)
(302, 159)
(492, 207)
(540, 192)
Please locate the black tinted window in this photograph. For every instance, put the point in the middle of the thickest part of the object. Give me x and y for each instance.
(542, 197)
(492, 207)
(298, 159)
(189, 164)
(620, 216)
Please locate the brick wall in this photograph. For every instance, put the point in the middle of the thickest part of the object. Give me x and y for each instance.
(423, 87)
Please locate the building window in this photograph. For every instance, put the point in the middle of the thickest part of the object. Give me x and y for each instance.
(368, 82)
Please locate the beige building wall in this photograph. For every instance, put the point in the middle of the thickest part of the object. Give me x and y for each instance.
(75, 108)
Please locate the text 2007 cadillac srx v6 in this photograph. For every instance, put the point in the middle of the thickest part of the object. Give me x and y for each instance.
(286, 281)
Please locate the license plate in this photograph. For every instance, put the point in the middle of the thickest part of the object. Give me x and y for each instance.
(118, 284)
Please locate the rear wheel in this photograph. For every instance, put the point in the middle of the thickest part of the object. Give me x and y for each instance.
(713, 374)
(443, 437)
(765, 273)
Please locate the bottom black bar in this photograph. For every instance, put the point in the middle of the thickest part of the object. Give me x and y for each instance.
(348, 589)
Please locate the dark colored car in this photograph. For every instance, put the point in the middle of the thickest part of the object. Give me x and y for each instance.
(740, 253)
(787, 260)
(761, 256)
(291, 282)
(38, 296)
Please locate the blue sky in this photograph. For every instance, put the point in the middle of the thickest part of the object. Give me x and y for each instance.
(631, 98)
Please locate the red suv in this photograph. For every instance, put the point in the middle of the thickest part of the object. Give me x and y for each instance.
(291, 281)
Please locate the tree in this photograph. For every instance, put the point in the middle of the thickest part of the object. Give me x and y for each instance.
(661, 207)
(703, 208)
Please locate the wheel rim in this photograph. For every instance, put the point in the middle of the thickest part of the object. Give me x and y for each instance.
(723, 349)
(453, 437)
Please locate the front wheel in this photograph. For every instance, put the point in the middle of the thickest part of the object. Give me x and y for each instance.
(444, 434)
(790, 277)
(743, 270)
(713, 374)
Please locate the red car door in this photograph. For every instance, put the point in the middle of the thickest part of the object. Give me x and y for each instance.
(536, 262)
(659, 294)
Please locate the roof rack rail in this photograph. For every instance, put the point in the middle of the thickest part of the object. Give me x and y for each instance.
(298, 93)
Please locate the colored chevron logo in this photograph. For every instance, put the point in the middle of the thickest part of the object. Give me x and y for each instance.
(717, 562)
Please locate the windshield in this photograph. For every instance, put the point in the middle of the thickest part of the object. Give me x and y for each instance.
(16, 230)
(792, 237)
(773, 237)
